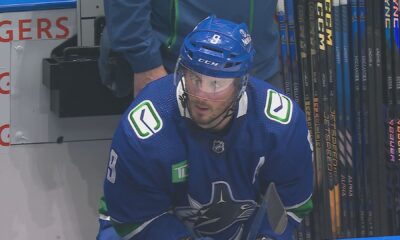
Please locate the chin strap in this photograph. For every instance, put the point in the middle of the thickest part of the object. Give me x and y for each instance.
(228, 113)
(183, 99)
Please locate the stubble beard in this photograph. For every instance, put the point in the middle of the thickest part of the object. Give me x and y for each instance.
(208, 117)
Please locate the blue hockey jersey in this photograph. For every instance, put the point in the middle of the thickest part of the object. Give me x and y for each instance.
(167, 178)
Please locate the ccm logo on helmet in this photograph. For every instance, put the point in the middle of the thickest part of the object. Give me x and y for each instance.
(208, 62)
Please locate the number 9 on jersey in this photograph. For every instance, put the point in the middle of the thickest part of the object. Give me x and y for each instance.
(111, 172)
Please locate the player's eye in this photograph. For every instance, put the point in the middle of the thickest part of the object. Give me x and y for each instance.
(196, 80)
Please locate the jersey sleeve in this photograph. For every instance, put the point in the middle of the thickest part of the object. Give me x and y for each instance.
(131, 33)
(290, 167)
(137, 190)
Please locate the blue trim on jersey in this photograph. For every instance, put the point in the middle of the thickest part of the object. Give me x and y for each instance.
(34, 5)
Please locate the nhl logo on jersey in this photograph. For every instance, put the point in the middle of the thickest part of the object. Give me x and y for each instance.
(218, 146)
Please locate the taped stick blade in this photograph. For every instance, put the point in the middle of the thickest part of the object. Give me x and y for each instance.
(276, 212)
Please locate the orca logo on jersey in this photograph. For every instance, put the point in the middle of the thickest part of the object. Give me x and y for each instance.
(145, 120)
(222, 212)
(278, 107)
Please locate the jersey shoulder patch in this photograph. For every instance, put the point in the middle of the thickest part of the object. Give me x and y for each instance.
(278, 107)
(145, 120)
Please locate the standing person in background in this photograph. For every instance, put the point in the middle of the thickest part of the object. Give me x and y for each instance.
(196, 149)
(149, 33)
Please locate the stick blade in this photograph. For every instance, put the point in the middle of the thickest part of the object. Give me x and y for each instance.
(276, 212)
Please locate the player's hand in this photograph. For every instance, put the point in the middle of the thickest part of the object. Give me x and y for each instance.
(140, 80)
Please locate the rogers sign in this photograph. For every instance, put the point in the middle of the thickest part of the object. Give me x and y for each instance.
(5, 83)
(5, 135)
(39, 28)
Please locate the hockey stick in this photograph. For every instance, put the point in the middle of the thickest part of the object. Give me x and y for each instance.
(284, 45)
(396, 86)
(390, 125)
(302, 27)
(273, 206)
(294, 68)
(348, 136)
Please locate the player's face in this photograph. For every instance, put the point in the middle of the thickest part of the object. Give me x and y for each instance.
(208, 97)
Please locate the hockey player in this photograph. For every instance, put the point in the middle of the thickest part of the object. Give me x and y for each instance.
(195, 151)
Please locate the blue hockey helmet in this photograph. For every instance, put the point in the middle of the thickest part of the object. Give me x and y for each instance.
(218, 48)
